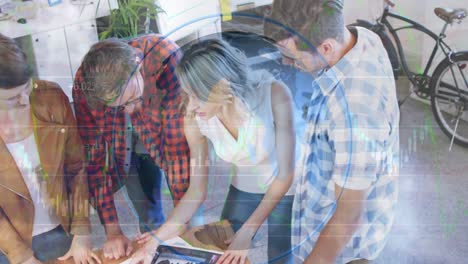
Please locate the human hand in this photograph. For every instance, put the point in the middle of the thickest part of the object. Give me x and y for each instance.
(167, 230)
(80, 251)
(117, 246)
(145, 254)
(146, 237)
(32, 260)
(238, 248)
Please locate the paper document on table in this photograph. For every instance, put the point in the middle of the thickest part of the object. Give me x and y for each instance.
(176, 242)
(179, 242)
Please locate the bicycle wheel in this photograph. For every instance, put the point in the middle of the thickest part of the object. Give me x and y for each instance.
(449, 97)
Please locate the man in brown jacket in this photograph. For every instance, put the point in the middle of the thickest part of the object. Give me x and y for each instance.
(43, 183)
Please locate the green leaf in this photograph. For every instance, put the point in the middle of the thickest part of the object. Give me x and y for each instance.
(125, 21)
(135, 15)
(142, 5)
(103, 35)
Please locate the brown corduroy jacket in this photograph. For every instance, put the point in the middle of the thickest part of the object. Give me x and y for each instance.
(62, 158)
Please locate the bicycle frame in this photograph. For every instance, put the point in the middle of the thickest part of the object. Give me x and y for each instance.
(439, 43)
(427, 86)
(414, 25)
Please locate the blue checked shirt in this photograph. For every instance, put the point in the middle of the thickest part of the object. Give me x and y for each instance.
(351, 140)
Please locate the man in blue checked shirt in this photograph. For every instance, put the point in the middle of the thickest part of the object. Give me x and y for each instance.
(345, 202)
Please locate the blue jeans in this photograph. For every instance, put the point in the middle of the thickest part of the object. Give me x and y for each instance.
(240, 205)
(144, 184)
(48, 246)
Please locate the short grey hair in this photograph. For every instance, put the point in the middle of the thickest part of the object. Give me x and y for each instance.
(209, 61)
(107, 66)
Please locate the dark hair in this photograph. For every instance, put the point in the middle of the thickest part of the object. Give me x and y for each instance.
(315, 20)
(14, 67)
(106, 67)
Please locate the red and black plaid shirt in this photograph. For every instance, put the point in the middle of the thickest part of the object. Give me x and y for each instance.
(159, 124)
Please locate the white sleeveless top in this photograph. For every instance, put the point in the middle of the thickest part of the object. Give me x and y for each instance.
(253, 154)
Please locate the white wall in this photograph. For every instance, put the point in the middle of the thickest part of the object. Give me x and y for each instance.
(176, 16)
(362, 9)
(61, 36)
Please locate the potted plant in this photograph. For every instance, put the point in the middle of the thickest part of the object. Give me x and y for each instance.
(133, 17)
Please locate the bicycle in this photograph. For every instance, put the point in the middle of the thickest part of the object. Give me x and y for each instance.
(447, 88)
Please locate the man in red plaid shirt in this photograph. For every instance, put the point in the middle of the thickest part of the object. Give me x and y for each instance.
(123, 87)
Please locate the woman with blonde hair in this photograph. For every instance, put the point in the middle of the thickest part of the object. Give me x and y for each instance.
(248, 117)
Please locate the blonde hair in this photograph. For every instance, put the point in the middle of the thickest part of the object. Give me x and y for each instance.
(206, 63)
